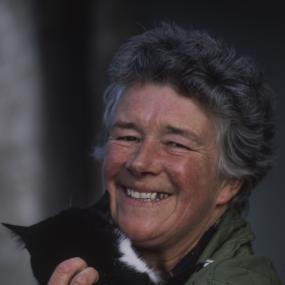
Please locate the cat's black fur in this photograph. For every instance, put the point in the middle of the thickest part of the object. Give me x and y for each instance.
(85, 233)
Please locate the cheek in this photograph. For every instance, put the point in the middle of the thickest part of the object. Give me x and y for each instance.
(195, 198)
(193, 179)
(114, 159)
(185, 172)
(113, 163)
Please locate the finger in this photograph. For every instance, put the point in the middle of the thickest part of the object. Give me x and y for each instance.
(66, 270)
(88, 276)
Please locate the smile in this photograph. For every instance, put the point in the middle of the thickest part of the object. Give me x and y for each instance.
(150, 196)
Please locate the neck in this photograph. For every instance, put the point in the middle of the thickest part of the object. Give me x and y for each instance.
(162, 260)
(165, 258)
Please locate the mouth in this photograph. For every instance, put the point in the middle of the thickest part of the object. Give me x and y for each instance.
(145, 196)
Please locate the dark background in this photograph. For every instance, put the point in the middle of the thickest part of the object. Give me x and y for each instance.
(76, 40)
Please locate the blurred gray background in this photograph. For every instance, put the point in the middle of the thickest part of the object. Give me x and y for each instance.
(53, 61)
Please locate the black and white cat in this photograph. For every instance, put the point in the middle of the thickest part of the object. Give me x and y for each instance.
(89, 234)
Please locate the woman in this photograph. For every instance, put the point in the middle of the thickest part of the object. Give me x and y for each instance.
(187, 136)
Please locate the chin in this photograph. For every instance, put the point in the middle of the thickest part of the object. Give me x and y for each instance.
(144, 238)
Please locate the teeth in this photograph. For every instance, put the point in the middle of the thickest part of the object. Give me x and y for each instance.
(154, 196)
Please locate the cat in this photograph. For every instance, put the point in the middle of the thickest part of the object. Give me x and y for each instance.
(87, 233)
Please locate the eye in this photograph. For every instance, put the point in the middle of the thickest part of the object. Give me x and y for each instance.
(128, 138)
(173, 144)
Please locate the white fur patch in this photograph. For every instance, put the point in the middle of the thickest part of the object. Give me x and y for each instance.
(130, 257)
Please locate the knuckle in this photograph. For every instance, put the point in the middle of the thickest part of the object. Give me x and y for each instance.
(62, 268)
(94, 274)
(77, 260)
(70, 265)
(87, 277)
(80, 281)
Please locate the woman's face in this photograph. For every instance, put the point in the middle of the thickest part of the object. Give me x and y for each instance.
(160, 168)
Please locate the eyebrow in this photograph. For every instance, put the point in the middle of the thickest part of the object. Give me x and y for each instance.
(183, 132)
(125, 125)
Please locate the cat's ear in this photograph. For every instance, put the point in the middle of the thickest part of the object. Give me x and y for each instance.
(23, 234)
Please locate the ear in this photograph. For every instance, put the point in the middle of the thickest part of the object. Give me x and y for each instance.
(228, 190)
(22, 234)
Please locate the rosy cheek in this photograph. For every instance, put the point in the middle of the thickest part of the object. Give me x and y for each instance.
(187, 177)
(115, 158)
(183, 169)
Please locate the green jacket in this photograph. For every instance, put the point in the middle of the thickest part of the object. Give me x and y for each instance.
(231, 261)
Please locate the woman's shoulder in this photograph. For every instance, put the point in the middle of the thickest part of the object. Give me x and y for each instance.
(242, 270)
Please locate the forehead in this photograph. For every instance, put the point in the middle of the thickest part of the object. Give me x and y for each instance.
(153, 105)
(151, 96)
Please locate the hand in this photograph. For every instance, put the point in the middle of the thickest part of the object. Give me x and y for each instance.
(74, 271)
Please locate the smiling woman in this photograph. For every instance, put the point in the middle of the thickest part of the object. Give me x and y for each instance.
(187, 136)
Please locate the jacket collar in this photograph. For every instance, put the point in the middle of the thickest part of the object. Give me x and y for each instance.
(233, 231)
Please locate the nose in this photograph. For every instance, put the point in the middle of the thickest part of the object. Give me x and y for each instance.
(145, 160)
